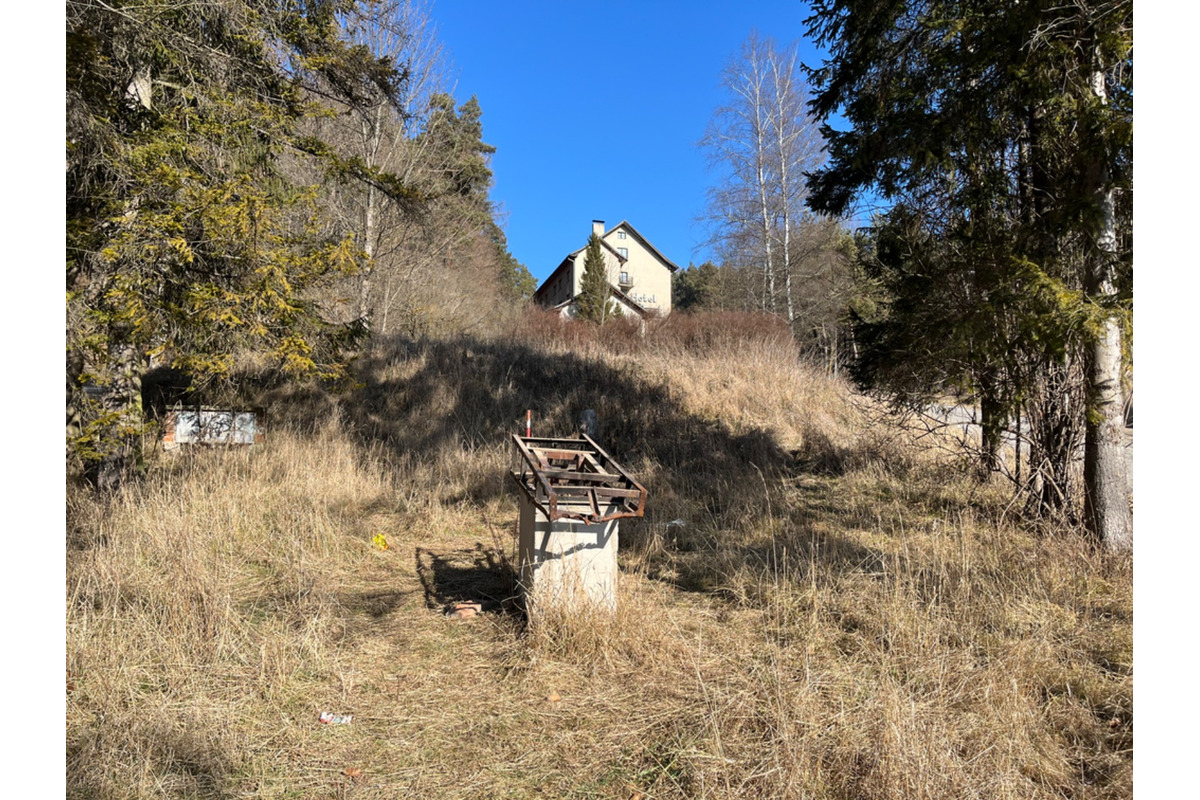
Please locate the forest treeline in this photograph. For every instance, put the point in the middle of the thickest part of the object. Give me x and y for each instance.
(999, 274)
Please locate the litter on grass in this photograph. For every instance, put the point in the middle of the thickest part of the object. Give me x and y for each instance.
(329, 718)
(465, 610)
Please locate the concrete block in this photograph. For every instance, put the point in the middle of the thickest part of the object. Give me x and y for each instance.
(567, 565)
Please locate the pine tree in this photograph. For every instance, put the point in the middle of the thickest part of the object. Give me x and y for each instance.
(595, 292)
(516, 283)
(694, 287)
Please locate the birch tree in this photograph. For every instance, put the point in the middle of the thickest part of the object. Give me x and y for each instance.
(738, 140)
(763, 140)
(1107, 31)
(380, 129)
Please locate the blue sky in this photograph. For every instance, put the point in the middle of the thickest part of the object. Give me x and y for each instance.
(596, 108)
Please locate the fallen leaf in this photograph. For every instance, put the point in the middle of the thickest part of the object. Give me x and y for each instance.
(554, 697)
(637, 796)
(352, 772)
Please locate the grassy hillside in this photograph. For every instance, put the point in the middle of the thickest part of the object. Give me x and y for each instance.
(843, 615)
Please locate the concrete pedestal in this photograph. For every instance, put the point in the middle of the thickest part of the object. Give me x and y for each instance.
(567, 564)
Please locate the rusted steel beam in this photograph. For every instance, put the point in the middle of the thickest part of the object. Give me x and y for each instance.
(572, 475)
(560, 453)
(601, 491)
(561, 491)
(592, 462)
(534, 468)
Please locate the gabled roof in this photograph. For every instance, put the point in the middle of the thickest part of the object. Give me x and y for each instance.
(603, 243)
(550, 278)
(645, 242)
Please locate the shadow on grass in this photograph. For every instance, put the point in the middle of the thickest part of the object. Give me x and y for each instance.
(417, 401)
(375, 605)
(468, 575)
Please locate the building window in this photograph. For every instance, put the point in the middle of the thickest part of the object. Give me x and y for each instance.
(620, 234)
(624, 278)
(623, 252)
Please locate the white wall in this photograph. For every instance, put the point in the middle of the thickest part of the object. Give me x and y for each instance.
(650, 277)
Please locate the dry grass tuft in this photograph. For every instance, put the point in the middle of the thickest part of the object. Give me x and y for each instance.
(813, 606)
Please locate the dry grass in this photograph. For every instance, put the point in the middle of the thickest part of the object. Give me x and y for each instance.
(840, 616)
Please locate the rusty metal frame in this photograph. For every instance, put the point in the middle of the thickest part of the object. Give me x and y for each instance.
(554, 470)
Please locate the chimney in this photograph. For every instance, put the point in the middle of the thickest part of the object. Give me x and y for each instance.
(598, 227)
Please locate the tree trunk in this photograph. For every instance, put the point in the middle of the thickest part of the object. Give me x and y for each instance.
(991, 426)
(372, 137)
(768, 302)
(764, 191)
(120, 443)
(364, 280)
(1106, 502)
(785, 198)
(1053, 419)
(1104, 472)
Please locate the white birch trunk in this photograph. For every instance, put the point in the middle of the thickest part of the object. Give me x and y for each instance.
(784, 146)
(372, 137)
(764, 207)
(1105, 480)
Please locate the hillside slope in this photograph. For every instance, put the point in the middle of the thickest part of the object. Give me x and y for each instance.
(841, 615)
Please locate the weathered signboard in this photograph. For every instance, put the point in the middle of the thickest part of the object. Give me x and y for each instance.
(211, 426)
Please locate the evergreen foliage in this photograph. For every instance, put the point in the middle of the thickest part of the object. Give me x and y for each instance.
(595, 292)
(694, 287)
(188, 241)
(251, 178)
(517, 284)
(462, 155)
(1001, 135)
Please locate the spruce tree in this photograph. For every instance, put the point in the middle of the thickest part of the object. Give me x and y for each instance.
(594, 302)
(189, 239)
(1003, 137)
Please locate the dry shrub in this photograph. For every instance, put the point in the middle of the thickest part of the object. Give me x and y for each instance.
(703, 332)
(543, 328)
(689, 332)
